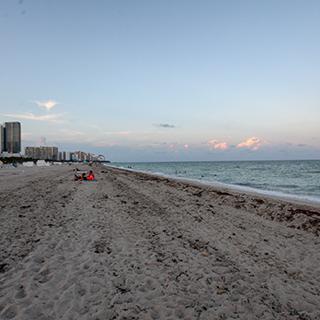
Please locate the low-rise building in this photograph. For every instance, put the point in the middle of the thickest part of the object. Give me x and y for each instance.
(42, 153)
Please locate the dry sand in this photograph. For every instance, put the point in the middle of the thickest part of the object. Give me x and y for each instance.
(136, 246)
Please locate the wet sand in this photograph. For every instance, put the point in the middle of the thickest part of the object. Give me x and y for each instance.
(136, 246)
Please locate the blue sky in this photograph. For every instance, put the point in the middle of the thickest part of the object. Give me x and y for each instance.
(164, 80)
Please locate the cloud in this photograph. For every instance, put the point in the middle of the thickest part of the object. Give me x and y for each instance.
(218, 145)
(31, 116)
(117, 133)
(49, 104)
(165, 125)
(71, 132)
(252, 143)
(103, 144)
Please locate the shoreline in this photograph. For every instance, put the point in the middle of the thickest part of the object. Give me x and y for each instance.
(268, 194)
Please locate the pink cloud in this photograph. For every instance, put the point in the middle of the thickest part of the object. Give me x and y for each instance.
(218, 145)
(186, 146)
(252, 143)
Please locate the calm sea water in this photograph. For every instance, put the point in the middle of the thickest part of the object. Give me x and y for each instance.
(298, 178)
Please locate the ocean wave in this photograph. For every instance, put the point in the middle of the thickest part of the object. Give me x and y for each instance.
(289, 186)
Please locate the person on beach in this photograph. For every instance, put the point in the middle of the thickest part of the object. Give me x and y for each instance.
(84, 177)
(80, 177)
(90, 176)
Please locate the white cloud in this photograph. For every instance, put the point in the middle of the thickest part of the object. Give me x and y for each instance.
(118, 133)
(252, 143)
(71, 133)
(30, 116)
(103, 144)
(48, 104)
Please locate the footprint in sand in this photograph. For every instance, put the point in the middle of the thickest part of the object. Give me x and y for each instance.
(9, 312)
(21, 293)
(43, 276)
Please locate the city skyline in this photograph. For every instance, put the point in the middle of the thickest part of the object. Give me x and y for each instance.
(10, 146)
(164, 81)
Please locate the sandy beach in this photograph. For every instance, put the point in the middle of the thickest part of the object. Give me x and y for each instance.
(137, 246)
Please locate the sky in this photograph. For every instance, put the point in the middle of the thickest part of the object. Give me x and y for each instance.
(165, 80)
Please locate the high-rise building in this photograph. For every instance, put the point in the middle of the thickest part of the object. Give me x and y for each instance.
(12, 133)
(2, 139)
(68, 156)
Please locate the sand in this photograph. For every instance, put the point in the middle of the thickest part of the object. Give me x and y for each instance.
(136, 246)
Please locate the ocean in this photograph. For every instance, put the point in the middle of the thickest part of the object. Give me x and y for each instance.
(298, 179)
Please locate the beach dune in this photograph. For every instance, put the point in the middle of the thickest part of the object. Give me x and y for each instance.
(137, 246)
